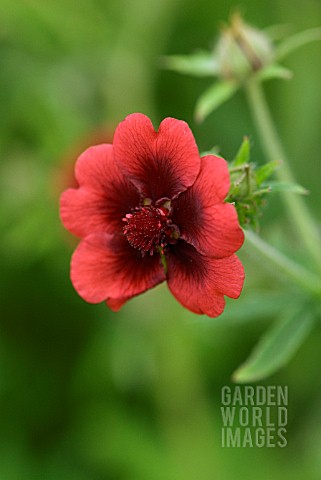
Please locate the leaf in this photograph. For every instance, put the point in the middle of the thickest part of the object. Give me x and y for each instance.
(274, 71)
(287, 187)
(199, 64)
(212, 98)
(277, 346)
(266, 171)
(296, 41)
(250, 308)
(243, 154)
(212, 151)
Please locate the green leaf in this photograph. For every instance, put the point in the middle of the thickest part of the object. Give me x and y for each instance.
(199, 64)
(274, 71)
(250, 308)
(266, 171)
(215, 150)
(296, 41)
(277, 346)
(212, 98)
(243, 154)
(287, 187)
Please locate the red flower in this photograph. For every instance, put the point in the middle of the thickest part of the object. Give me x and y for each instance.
(149, 197)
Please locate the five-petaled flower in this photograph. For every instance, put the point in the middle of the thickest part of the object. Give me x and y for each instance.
(148, 208)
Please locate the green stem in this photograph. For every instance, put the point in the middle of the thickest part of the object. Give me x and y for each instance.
(298, 212)
(309, 281)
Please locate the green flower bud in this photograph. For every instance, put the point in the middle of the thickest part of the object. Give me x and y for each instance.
(242, 50)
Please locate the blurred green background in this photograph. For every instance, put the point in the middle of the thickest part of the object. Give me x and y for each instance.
(88, 394)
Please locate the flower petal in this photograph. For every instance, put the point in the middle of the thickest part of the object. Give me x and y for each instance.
(199, 282)
(160, 164)
(204, 221)
(93, 166)
(106, 266)
(214, 231)
(213, 180)
(104, 196)
(115, 304)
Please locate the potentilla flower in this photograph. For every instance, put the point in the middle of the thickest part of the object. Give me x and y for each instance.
(149, 209)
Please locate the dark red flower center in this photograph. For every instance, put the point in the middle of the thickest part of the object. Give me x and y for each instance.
(149, 229)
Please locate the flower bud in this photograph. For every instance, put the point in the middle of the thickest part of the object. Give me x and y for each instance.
(242, 50)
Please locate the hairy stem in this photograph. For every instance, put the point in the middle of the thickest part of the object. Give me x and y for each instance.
(300, 275)
(295, 205)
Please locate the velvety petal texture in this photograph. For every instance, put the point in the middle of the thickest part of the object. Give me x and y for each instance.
(106, 266)
(160, 164)
(104, 196)
(146, 195)
(200, 283)
(203, 219)
(115, 304)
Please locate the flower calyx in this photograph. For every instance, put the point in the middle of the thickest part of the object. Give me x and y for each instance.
(242, 50)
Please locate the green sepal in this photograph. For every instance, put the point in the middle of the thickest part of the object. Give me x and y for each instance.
(246, 192)
(198, 64)
(274, 71)
(264, 172)
(296, 41)
(278, 31)
(243, 154)
(215, 150)
(286, 187)
(213, 97)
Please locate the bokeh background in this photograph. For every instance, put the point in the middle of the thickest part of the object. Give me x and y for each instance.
(87, 394)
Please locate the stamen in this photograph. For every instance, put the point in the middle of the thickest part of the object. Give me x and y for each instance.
(149, 229)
